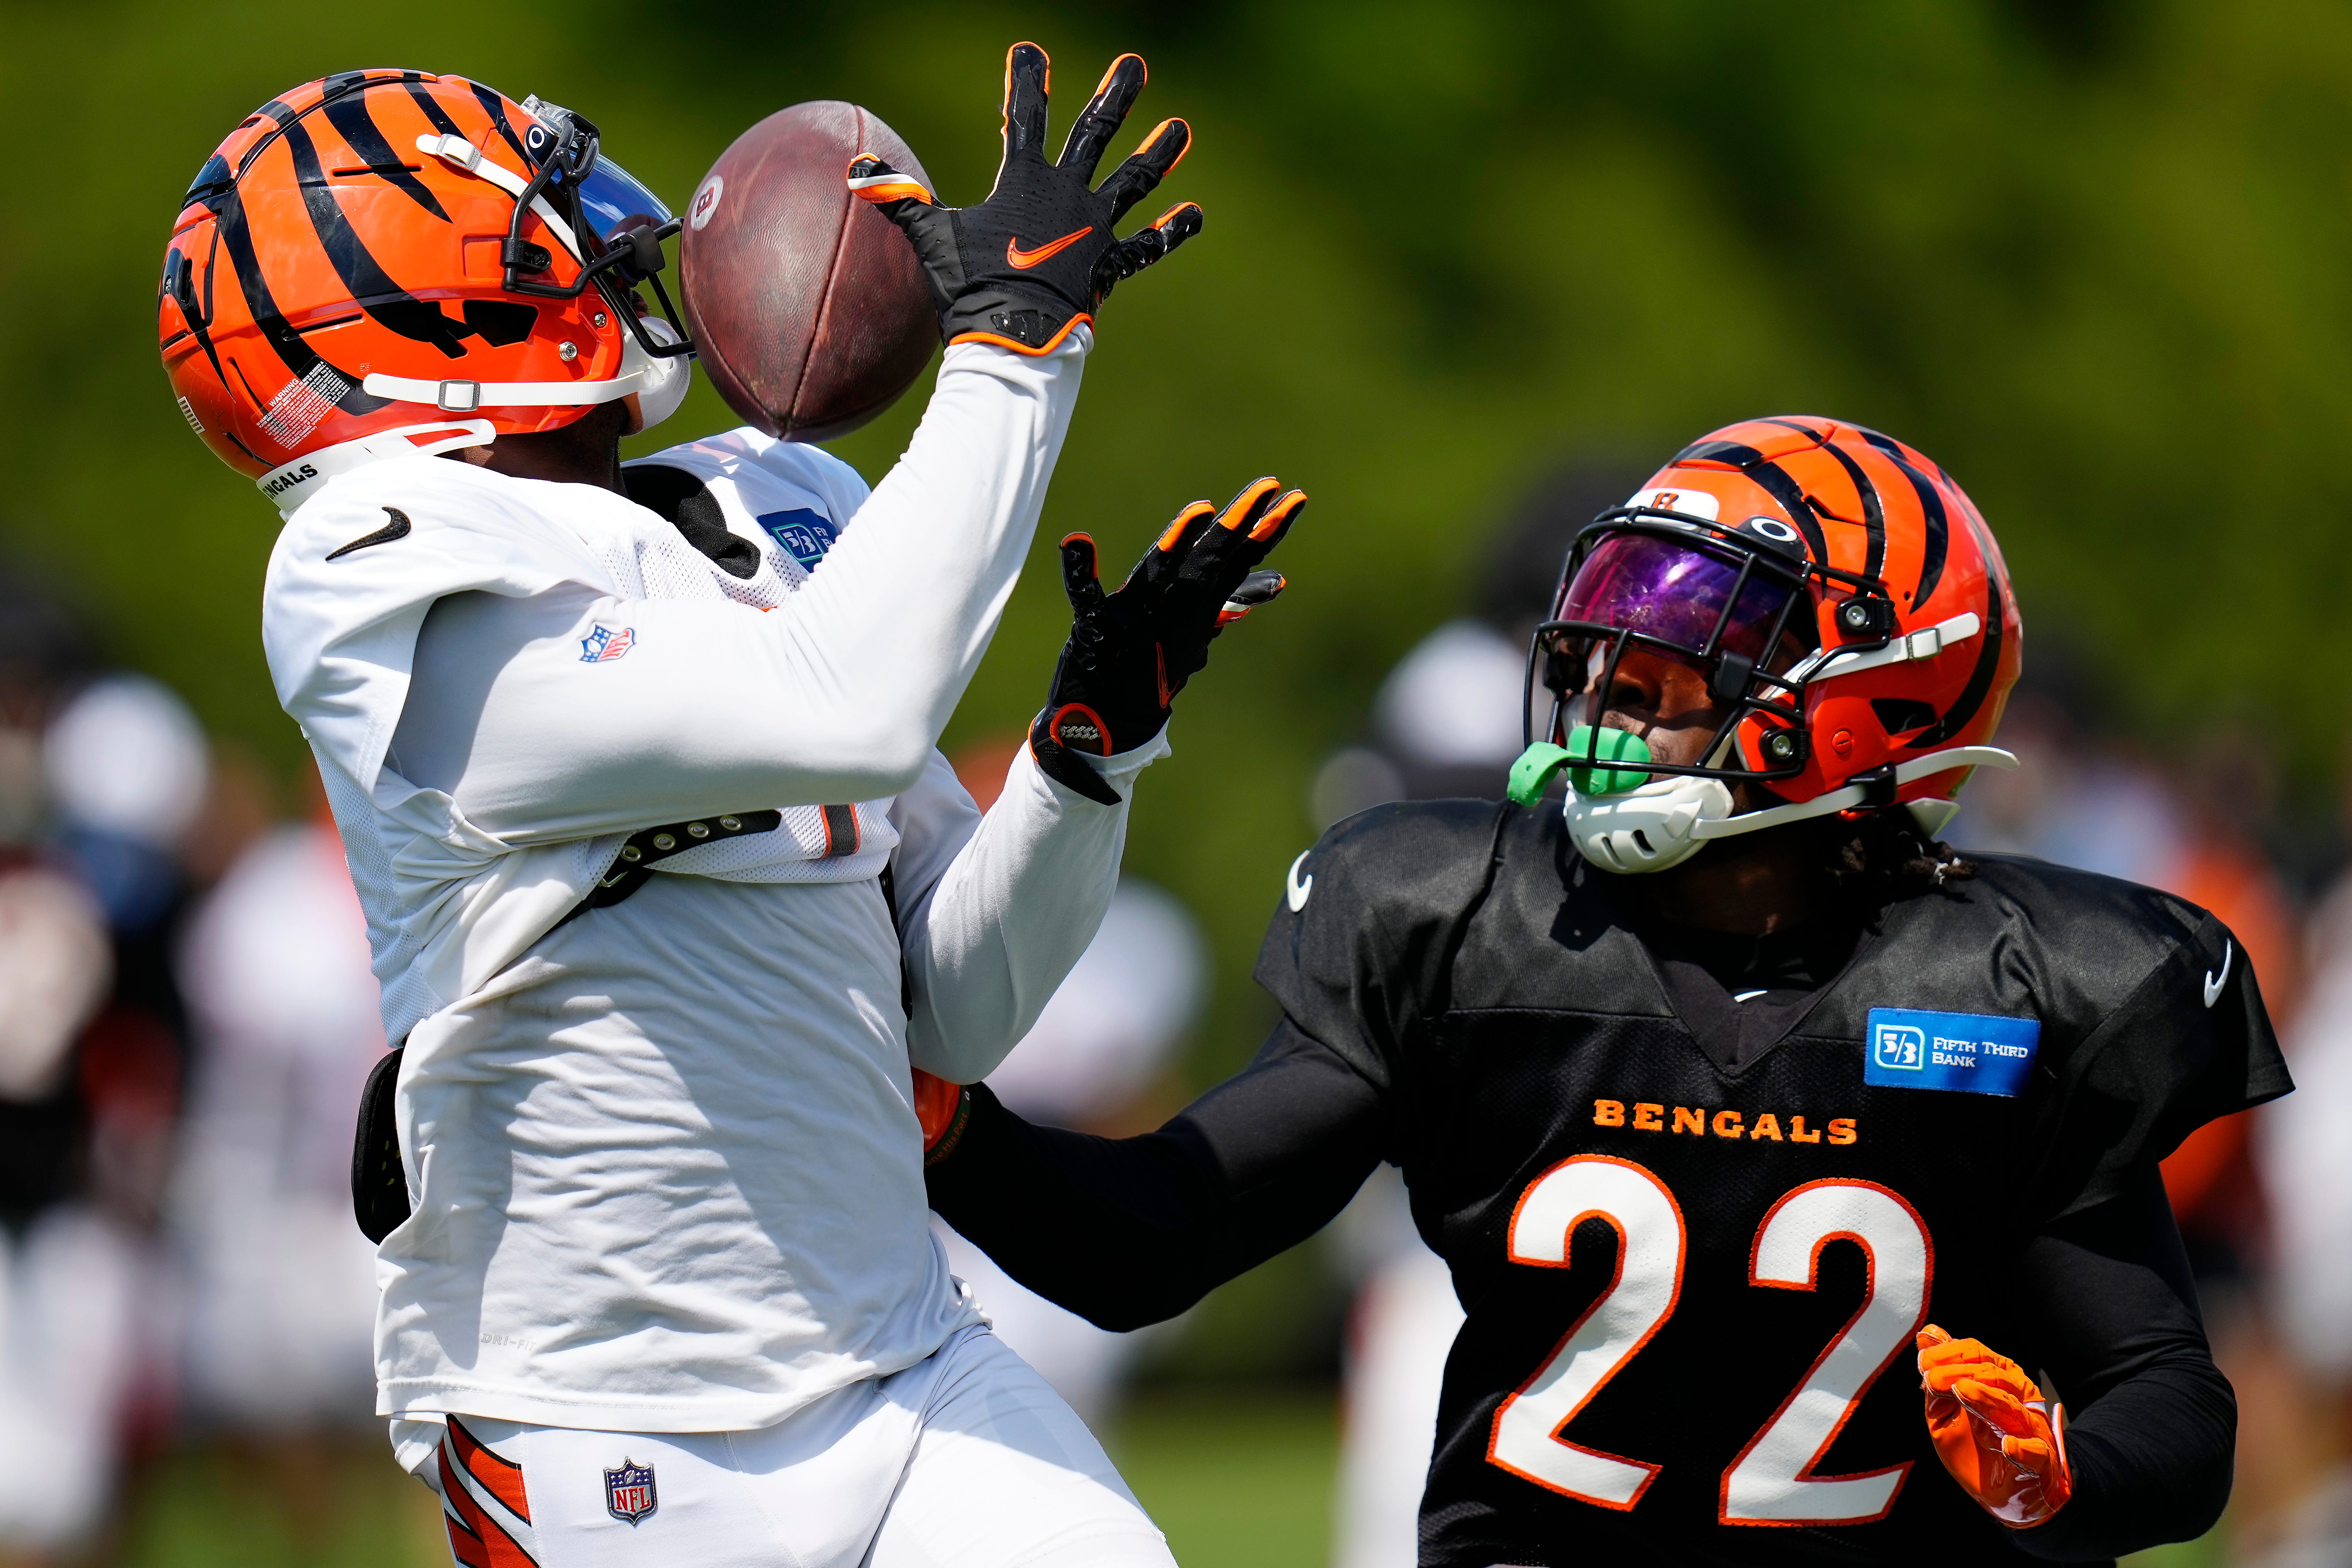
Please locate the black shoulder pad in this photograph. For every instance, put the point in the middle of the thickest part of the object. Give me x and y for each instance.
(2188, 1044)
(1357, 949)
(2152, 1021)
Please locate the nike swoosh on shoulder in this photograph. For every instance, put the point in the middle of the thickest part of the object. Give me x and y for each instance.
(2213, 982)
(1025, 259)
(397, 529)
(1297, 890)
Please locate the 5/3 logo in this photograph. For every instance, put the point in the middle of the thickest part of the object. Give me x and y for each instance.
(1772, 1481)
(1899, 1045)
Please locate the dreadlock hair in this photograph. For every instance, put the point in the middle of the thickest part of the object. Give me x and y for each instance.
(1883, 855)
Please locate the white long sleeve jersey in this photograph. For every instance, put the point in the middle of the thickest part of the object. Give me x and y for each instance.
(666, 1172)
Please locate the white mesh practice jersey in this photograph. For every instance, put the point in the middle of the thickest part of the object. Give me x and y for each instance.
(664, 1168)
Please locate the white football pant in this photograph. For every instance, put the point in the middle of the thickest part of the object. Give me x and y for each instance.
(967, 1459)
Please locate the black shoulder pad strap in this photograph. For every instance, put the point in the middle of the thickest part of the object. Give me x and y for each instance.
(685, 503)
(651, 847)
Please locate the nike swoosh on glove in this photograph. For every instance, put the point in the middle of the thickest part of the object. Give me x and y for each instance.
(1039, 256)
(1129, 653)
(2000, 1439)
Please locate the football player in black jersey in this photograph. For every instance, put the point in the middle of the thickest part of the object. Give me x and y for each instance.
(1791, 1168)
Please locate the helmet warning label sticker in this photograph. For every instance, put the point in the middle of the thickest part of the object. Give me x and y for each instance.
(299, 406)
(1974, 1053)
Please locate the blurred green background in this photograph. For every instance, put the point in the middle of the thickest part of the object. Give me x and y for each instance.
(2095, 257)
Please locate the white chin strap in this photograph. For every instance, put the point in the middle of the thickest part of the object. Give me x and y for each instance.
(292, 484)
(658, 385)
(1666, 821)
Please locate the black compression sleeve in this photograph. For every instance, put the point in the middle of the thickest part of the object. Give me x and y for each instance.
(1130, 1231)
(2111, 1315)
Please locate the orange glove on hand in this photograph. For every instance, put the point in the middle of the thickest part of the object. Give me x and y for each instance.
(942, 1107)
(2002, 1441)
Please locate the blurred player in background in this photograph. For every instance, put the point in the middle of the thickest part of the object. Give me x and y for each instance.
(2194, 824)
(672, 898)
(279, 1288)
(1448, 720)
(2305, 1160)
(1724, 1085)
(100, 780)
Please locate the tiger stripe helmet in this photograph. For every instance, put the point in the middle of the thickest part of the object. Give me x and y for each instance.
(384, 262)
(1844, 595)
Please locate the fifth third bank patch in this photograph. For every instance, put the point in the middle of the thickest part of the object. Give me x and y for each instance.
(1976, 1052)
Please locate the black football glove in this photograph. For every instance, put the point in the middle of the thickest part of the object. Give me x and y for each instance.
(1038, 255)
(1130, 652)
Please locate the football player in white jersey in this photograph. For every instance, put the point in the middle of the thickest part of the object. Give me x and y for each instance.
(672, 900)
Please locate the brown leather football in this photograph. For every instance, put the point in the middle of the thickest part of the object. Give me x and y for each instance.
(808, 307)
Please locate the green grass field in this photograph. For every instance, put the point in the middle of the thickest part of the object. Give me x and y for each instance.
(1237, 1480)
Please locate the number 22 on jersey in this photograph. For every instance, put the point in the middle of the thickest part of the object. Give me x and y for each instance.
(1772, 1482)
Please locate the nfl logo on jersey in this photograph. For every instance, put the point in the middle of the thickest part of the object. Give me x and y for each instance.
(602, 644)
(629, 1491)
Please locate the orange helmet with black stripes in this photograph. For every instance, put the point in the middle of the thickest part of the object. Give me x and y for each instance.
(388, 261)
(1844, 597)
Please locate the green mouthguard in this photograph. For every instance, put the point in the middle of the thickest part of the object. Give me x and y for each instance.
(1538, 763)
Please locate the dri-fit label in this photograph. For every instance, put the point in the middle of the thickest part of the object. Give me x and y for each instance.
(1969, 1051)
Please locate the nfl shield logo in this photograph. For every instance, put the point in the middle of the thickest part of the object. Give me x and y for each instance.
(604, 645)
(629, 1491)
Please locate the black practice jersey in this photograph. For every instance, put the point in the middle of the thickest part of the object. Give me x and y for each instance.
(1694, 1235)
(1698, 1192)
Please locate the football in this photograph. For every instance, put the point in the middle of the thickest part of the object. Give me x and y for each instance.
(808, 307)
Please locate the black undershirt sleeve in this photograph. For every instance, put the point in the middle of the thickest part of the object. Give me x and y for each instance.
(1129, 1231)
(2110, 1317)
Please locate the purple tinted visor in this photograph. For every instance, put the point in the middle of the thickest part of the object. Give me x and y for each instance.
(1640, 582)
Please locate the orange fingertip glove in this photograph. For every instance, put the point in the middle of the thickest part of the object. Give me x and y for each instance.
(2000, 1439)
(942, 1107)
